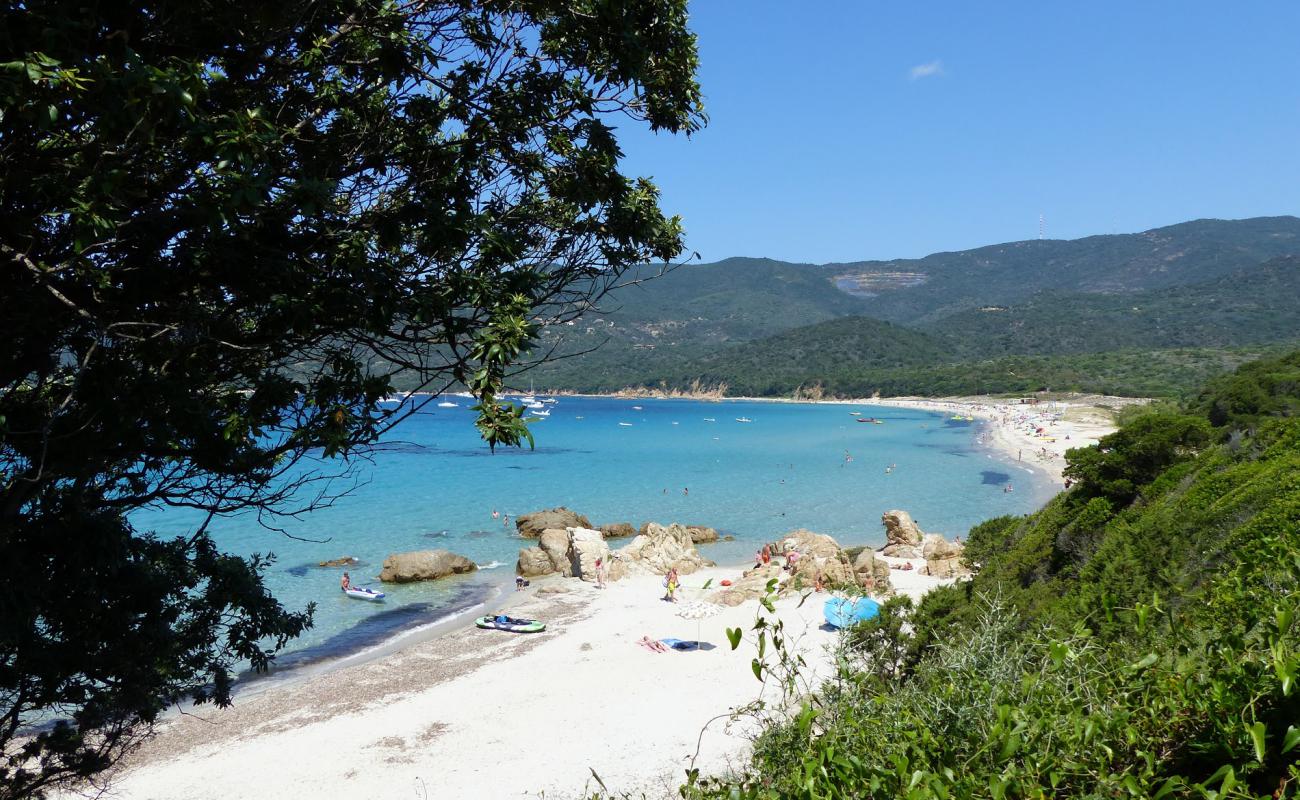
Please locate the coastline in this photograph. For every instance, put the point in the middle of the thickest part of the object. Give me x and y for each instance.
(439, 717)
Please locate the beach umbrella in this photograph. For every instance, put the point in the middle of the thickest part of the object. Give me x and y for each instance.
(843, 612)
(699, 611)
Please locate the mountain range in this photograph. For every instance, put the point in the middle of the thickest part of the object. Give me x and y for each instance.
(1186, 300)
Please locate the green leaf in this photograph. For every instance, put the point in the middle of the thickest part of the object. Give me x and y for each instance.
(1291, 739)
(733, 636)
(1257, 738)
(757, 667)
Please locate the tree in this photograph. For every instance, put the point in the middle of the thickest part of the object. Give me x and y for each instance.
(224, 228)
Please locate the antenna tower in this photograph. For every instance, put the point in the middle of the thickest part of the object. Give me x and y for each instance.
(1040, 226)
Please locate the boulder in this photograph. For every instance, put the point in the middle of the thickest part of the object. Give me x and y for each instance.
(617, 530)
(751, 586)
(554, 588)
(658, 549)
(872, 572)
(533, 561)
(902, 535)
(424, 565)
(555, 543)
(819, 556)
(585, 546)
(530, 526)
(943, 559)
(701, 534)
(345, 561)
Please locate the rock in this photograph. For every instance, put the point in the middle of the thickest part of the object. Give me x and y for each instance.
(943, 559)
(902, 535)
(701, 534)
(585, 546)
(530, 526)
(555, 543)
(345, 561)
(728, 538)
(872, 572)
(554, 588)
(657, 549)
(533, 561)
(617, 530)
(819, 555)
(424, 565)
(751, 586)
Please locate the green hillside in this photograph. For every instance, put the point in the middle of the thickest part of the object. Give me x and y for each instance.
(1138, 637)
(1248, 306)
(1187, 253)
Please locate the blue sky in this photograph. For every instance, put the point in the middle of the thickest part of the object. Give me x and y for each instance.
(869, 129)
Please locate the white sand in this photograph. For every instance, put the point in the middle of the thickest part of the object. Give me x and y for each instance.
(490, 714)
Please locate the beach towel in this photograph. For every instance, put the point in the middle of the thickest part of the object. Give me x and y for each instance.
(678, 644)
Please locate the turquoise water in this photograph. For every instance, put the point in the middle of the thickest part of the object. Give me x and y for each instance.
(433, 484)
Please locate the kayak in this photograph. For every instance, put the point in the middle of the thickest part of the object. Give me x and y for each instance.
(364, 594)
(503, 623)
(841, 612)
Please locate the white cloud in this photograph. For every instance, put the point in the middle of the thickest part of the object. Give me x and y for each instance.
(927, 70)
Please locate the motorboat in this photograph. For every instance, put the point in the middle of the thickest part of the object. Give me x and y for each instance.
(447, 404)
(625, 424)
(743, 419)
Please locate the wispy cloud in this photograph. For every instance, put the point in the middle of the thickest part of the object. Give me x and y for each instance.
(928, 70)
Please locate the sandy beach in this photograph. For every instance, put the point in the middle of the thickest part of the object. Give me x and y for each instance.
(478, 713)
(1037, 434)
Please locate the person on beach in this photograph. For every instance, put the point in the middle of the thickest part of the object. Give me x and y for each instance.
(791, 558)
(520, 583)
(767, 554)
(670, 582)
(496, 514)
(600, 573)
(345, 582)
(758, 559)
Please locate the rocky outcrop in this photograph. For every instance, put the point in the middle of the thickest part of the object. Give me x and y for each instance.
(530, 526)
(533, 562)
(617, 530)
(751, 586)
(701, 534)
(555, 543)
(819, 556)
(345, 561)
(943, 559)
(902, 535)
(872, 572)
(585, 547)
(424, 565)
(658, 549)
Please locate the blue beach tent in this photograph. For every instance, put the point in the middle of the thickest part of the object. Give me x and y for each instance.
(841, 612)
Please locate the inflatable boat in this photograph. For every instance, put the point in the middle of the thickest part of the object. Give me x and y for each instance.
(364, 594)
(501, 622)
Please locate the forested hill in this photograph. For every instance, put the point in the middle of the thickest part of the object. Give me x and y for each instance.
(1153, 312)
(1190, 252)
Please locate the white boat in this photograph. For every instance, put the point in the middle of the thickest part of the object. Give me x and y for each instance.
(447, 404)
(534, 405)
(625, 424)
(540, 414)
(637, 408)
(362, 593)
(710, 419)
(550, 400)
(743, 419)
(528, 400)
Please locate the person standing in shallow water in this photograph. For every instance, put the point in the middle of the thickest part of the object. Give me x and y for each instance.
(345, 582)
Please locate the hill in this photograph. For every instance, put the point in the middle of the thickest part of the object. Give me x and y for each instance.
(1248, 306)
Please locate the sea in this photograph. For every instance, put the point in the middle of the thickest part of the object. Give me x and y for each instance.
(753, 470)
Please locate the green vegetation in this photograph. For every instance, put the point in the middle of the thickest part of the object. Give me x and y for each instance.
(225, 227)
(1138, 637)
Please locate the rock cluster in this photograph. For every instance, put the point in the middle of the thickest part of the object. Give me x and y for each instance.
(572, 553)
(344, 561)
(617, 530)
(424, 565)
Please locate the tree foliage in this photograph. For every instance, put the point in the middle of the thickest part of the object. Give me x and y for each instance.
(215, 220)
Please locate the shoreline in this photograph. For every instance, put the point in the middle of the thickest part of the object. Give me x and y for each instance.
(440, 715)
